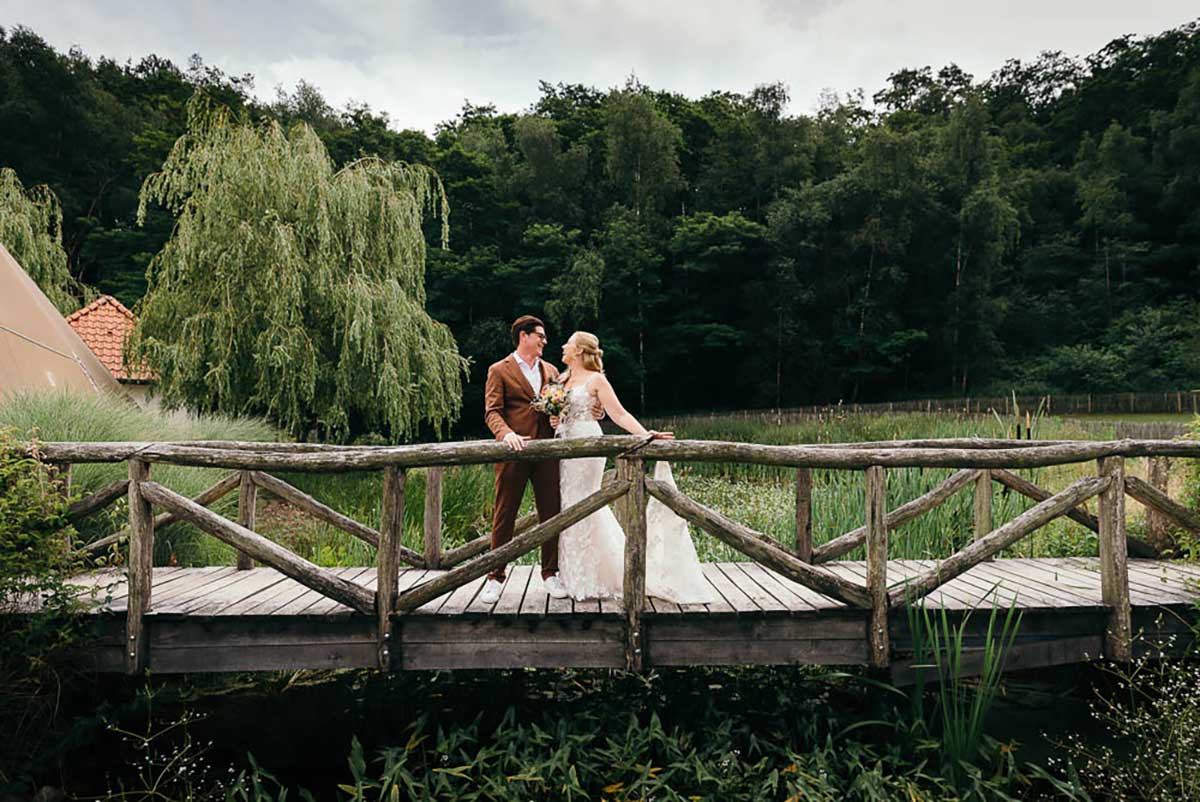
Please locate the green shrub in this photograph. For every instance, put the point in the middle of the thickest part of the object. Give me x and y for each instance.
(65, 416)
(35, 548)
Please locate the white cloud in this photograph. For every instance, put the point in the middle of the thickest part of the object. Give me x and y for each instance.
(419, 60)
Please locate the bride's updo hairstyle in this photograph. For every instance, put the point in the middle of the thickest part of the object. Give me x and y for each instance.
(590, 352)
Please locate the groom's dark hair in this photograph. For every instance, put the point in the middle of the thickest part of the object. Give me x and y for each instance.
(526, 324)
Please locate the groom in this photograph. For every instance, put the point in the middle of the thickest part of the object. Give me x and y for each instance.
(512, 384)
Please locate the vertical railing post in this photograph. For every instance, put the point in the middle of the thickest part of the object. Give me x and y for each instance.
(247, 504)
(433, 517)
(1157, 525)
(1114, 562)
(633, 518)
(879, 646)
(804, 546)
(391, 531)
(983, 503)
(140, 568)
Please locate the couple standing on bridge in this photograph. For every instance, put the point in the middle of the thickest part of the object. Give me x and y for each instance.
(587, 560)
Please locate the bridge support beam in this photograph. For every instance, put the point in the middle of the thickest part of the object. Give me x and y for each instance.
(632, 509)
(1114, 562)
(247, 507)
(140, 571)
(391, 532)
(879, 644)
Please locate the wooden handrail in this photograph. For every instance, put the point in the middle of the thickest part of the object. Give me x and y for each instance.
(298, 498)
(901, 515)
(479, 452)
(998, 539)
(759, 547)
(106, 495)
(1137, 546)
(205, 498)
(260, 548)
(457, 577)
(1155, 499)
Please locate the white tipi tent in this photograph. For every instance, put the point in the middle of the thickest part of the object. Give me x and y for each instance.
(38, 350)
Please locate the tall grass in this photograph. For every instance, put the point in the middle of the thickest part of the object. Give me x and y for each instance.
(963, 702)
(67, 416)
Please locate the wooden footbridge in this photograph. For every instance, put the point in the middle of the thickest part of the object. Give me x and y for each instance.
(786, 604)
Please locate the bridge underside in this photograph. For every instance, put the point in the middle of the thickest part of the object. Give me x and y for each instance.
(222, 619)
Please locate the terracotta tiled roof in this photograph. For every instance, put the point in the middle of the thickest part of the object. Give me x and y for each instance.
(103, 325)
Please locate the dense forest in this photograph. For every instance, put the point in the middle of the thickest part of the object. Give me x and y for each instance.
(1037, 229)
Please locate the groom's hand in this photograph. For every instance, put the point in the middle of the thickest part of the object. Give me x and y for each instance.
(515, 441)
(597, 409)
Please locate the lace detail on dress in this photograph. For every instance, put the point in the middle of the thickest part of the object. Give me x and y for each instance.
(591, 554)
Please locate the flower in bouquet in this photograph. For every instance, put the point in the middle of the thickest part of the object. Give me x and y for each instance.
(552, 400)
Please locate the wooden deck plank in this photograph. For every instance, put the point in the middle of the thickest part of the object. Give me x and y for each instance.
(1140, 593)
(1170, 592)
(1026, 592)
(536, 597)
(737, 600)
(255, 581)
(214, 592)
(301, 603)
(460, 599)
(761, 578)
(563, 606)
(189, 586)
(328, 606)
(1076, 590)
(513, 592)
(263, 603)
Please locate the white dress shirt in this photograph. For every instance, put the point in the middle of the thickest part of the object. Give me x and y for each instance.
(532, 373)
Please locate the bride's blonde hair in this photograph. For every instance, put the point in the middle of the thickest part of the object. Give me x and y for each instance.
(590, 352)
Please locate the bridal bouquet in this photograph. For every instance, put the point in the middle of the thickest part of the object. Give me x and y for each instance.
(552, 400)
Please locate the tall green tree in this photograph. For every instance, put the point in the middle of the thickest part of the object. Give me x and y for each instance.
(292, 289)
(643, 149)
(31, 230)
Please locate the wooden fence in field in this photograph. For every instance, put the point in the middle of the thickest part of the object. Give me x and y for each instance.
(1172, 402)
(979, 464)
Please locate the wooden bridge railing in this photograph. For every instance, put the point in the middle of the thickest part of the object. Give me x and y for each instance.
(981, 462)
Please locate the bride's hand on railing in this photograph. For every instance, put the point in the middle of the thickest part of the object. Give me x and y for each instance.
(661, 435)
(554, 421)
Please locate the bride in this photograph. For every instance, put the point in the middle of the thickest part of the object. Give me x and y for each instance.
(591, 554)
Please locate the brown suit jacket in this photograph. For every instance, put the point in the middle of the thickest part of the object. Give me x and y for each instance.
(506, 399)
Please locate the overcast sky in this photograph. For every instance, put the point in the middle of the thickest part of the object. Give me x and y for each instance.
(419, 60)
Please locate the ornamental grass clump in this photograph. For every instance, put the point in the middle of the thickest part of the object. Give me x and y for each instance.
(292, 289)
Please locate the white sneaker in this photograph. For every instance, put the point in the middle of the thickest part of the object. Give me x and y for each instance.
(491, 591)
(554, 587)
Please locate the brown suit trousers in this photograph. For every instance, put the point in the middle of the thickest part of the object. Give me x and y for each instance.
(507, 396)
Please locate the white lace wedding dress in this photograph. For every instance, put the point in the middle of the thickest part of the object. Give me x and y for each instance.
(591, 554)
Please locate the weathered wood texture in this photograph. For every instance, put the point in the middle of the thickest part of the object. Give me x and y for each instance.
(489, 451)
(759, 547)
(1137, 547)
(433, 517)
(877, 579)
(247, 513)
(106, 495)
(220, 619)
(262, 549)
(1160, 501)
(632, 471)
(141, 566)
(209, 496)
(1158, 526)
(906, 512)
(303, 501)
(983, 504)
(1114, 564)
(456, 577)
(804, 487)
(999, 539)
(391, 531)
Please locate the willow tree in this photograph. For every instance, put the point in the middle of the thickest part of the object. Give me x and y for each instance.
(31, 230)
(292, 289)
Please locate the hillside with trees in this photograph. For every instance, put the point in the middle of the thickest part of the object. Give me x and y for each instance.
(1036, 229)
